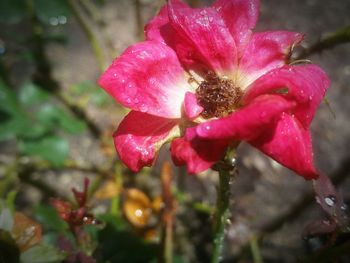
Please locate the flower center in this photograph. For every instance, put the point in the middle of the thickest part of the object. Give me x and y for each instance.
(219, 97)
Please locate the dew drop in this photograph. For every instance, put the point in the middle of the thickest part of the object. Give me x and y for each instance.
(143, 108)
(53, 21)
(136, 101)
(330, 200)
(128, 100)
(344, 207)
(62, 20)
(207, 127)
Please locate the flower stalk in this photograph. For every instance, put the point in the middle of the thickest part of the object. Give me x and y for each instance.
(227, 170)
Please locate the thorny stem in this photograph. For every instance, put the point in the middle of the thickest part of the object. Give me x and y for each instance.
(226, 170)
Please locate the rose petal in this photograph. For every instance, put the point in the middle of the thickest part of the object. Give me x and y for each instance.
(159, 27)
(289, 144)
(139, 137)
(240, 17)
(305, 84)
(202, 38)
(191, 107)
(196, 153)
(147, 77)
(248, 122)
(266, 51)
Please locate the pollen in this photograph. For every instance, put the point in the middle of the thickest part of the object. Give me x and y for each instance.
(218, 96)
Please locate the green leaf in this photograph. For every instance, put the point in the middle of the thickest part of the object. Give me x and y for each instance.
(95, 93)
(12, 11)
(42, 254)
(99, 97)
(8, 100)
(46, 10)
(30, 94)
(53, 116)
(11, 128)
(51, 148)
(49, 218)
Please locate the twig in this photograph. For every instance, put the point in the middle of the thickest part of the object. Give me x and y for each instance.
(167, 217)
(298, 208)
(341, 36)
(43, 75)
(337, 177)
(139, 21)
(254, 247)
(97, 48)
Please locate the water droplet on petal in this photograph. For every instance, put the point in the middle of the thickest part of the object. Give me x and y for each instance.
(143, 108)
(344, 207)
(330, 200)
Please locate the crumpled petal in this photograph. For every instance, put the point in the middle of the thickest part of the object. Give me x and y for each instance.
(196, 153)
(266, 51)
(240, 17)
(201, 38)
(139, 137)
(248, 122)
(147, 77)
(289, 143)
(304, 84)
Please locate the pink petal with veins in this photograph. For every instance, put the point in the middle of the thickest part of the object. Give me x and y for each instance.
(248, 122)
(147, 77)
(240, 17)
(196, 153)
(306, 85)
(191, 107)
(202, 39)
(139, 137)
(289, 143)
(266, 51)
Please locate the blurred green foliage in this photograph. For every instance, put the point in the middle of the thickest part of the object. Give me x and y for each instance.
(30, 117)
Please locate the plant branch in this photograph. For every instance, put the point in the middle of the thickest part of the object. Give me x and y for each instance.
(43, 75)
(96, 46)
(341, 36)
(168, 215)
(226, 170)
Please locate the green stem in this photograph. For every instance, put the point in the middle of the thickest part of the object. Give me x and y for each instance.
(254, 247)
(226, 171)
(341, 36)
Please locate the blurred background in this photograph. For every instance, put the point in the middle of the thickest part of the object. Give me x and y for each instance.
(56, 129)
